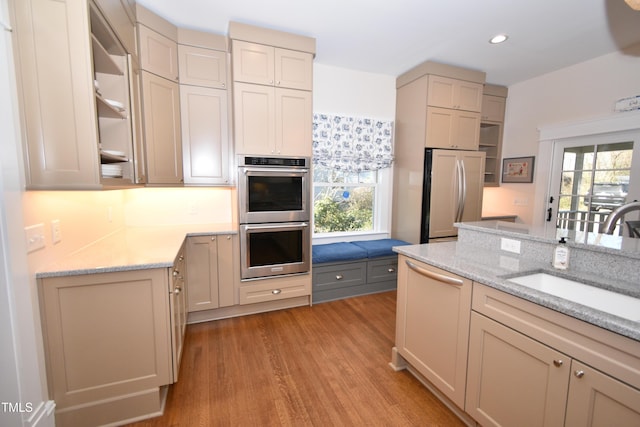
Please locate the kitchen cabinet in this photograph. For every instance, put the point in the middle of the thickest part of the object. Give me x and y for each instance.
(205, 136)
(67, 93)
(512, 379)
(204, 67)
(272, 66)
(491, 131)
(158, 53)
(454, 94)
(121, 17)
(162, 130)
(211, 271)
(107, 339)
(575, 373)
(272, 120)
(204, 100)
(158, 50)
(447, 128)
(178, 309)
(432, 325)
(280, 288)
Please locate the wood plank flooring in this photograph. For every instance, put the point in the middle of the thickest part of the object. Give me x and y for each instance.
(325, 365)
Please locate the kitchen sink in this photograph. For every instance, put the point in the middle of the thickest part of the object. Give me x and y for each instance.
(600, 299)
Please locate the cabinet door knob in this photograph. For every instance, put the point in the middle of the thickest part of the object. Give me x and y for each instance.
(213, 239)
(338, 276)
(579, 374)
(391, 270)
(276, 291)
(557, 363)
(228, 237)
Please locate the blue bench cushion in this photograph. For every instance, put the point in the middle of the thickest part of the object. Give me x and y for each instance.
(380, 247)
(335, 252)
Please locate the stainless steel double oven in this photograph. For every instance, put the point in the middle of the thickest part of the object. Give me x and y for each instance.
(274, 211)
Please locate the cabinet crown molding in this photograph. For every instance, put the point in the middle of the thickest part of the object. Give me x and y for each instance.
(439, 69)
(250, 33)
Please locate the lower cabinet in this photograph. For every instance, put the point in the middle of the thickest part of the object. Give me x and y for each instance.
(513, 380)
(178, 307)
(211, 271)
(282, 288)
(432, 326)
(108, 344)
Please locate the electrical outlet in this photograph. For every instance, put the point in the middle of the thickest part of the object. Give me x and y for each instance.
(510, 245)
(56, 232)
(34, 235)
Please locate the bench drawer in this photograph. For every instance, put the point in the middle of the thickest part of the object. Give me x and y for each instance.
(382, 269)
(339, 275)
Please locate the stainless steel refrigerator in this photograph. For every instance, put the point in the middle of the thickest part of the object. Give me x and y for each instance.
(452, 188)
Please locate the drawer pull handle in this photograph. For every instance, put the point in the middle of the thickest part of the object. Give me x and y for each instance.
(579, 374)
(177, 290)
(276, 291)
(557, 363)
(339, 276)
(391, 270)
(435, 276)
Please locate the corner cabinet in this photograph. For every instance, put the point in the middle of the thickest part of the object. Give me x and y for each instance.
(75, 96)
(108, 344)
(432, 325)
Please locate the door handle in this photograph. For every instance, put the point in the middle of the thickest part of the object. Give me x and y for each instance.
(549, 214)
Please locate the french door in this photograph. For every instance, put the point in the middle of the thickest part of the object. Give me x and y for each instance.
(591, 176)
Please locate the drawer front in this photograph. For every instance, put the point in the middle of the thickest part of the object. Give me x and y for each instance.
(339, 275)
(382, 270)
(273, 290)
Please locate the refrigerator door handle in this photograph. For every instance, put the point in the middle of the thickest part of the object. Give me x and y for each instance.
(463, 198)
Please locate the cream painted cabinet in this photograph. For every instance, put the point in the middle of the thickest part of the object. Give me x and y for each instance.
(513, 380)
(162, 131)
(448, 128)
(491, 128)
(74, 91)
(432, 327)
(202, 67)
(455, 94)
(211, 271)
(121, 17)
(107, 341)
(178, 310)
(272, 66)
(158, 53)
(272, 120)
(596, 399)
(205, 136)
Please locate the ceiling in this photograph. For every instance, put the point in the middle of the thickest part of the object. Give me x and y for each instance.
(390, 37)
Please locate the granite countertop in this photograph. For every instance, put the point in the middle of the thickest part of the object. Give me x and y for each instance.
(492, 268)
(132, 248)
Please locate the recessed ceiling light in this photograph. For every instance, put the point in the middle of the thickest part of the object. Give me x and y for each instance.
(498, 38)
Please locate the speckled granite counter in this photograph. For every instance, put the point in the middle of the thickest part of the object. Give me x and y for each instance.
(493, 267)
(133, 248)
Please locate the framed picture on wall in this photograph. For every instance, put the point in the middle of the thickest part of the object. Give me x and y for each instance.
(518, 169)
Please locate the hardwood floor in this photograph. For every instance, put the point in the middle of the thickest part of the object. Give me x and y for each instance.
(326, 365)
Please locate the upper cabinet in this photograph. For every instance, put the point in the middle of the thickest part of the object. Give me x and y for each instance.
(272, 94)
(272, 66)
(454, 93)
(491, 129)
(75, 97)
(158, 53)
(204, 99)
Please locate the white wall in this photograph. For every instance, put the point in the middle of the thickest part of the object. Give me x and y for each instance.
(580, 92)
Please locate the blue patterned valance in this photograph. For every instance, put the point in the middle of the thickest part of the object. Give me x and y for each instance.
(352, 144)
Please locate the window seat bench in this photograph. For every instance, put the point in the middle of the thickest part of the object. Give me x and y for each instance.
(347, 269)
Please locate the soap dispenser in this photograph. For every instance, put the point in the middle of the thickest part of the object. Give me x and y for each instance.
(561, 255)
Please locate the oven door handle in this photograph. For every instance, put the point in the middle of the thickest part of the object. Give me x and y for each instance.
(276, 226)
(275, 170)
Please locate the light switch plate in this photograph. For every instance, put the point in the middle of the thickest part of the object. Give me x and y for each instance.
(34, 235)
(56, 232)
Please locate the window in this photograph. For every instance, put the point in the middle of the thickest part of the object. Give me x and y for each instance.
(343, 201)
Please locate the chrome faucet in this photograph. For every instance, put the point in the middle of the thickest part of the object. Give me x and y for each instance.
(613, 217)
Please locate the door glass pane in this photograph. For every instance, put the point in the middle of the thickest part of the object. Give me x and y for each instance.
(595, 181)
